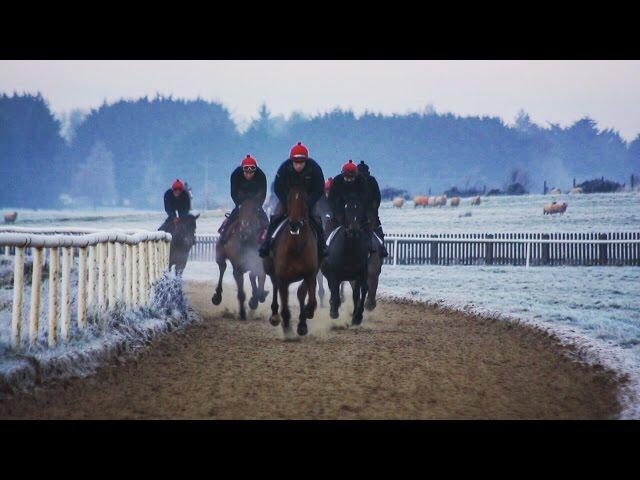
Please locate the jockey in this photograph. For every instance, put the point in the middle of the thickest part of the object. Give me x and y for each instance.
(247, 181)
(298, 169)
(373, 203)
(346, 186)
(176, 199)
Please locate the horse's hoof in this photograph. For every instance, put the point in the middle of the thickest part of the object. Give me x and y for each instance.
(308, 311)
(275, 320)
(334, 313)
(216, 299)
(370, 305)
(243, 315)
(253, 303)
(264, 297)
(356, 321)
(302, 329)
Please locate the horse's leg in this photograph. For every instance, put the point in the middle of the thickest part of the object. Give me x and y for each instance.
(341, 291)
(253, 301)
(275, 318)
(221, 260)
(262, 294)
(355, 286)
(239, 277)
(359, 308)
(320, 288)
(334, 301)
(283, 288)
(372, 284)
(302, 319)
(312, 303)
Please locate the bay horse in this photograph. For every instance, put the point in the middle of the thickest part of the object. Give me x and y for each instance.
(293, 257)
(349, 246)
(241, 249)
(183, 237)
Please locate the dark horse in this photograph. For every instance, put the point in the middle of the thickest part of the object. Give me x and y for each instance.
(294, 257)
(183, 237)
(323, 210)
(348, 260)
(241, 248)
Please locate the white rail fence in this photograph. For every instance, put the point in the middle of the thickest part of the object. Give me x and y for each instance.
(592, 248)
(112, 266)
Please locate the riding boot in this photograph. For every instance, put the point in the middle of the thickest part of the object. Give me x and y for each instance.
(263, 251)
(322, 247)
(383, 248)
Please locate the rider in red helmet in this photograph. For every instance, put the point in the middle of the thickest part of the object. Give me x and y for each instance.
(247, 181)
(177, 204)
(298, 169)
(348, 186)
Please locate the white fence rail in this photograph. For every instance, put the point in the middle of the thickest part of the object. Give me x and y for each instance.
(592, 248)
(113, 266)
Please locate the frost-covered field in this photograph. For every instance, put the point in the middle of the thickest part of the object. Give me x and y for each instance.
(594, 307)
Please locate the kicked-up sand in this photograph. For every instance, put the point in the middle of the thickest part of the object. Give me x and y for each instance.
(407, 361)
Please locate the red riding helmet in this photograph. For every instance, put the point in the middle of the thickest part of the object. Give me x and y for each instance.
(299, 151)
(327, 184)
(248, 161)
(349, 169)
(177, 185)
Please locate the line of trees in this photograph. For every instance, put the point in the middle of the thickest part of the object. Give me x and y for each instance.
(128, 152)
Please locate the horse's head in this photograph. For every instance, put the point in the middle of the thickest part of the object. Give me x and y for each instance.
(185, 231)
(248, 220)
(353, 218)
(297, 209)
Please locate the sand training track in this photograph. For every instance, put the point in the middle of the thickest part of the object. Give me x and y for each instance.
(408, 361)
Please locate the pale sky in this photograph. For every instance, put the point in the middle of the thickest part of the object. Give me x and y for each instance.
(550, 91)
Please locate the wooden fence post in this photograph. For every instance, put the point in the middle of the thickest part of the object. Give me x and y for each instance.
(36, 282)
(82, 287)
(18, 286)
(65, 313)
(433, 247)
(53, 296)
(102, 274)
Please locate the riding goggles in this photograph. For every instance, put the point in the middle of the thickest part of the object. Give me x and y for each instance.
(249, 168)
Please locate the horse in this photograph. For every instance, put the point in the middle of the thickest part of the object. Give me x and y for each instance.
(398, 202)
(293, 257)
(323, 210)
(183, 237)
(241, 249)
(349, 247)
(455, 202)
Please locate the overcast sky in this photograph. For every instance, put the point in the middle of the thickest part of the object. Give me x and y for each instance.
(550, 91)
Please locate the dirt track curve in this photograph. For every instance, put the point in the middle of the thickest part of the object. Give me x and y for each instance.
(408, 361)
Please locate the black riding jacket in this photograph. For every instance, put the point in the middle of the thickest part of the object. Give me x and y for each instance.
(373, 191)
(242, 189)
(181, 204)
(341, 192)
(311, 178)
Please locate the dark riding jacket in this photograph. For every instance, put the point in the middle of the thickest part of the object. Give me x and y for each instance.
(311, 178)
(242, 189)
(342, 192)
(180, 204)
(373, 191)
